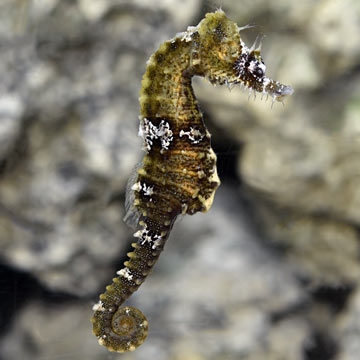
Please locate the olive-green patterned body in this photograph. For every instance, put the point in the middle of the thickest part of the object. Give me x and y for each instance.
(178, 173)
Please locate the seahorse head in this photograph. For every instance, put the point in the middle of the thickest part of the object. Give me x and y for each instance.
(226, 59)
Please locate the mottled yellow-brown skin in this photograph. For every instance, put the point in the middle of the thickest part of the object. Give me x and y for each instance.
(178, 173)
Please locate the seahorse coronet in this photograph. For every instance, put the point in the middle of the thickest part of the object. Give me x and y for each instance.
(178, 174)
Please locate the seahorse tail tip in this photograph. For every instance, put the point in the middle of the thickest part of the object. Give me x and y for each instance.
(126, 330)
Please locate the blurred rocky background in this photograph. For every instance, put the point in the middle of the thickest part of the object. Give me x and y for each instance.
(271, 272)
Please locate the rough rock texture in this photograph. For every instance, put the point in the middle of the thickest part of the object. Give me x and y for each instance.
(348, 329)
(210, 299)
(68, 132)
(300, 163)
(271, 272)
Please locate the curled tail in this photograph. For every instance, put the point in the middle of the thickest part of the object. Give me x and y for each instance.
(120, 328)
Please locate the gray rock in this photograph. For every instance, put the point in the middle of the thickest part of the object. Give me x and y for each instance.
(222, 287)
(211, 296)
(69, 133)
(11, 111)
(71, 73)
(348, 330)
(51, 331)
(302, 159)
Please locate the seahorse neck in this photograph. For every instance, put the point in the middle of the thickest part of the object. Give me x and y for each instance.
(166, 87)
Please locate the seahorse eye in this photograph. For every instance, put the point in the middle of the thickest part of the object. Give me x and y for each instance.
(259, 72)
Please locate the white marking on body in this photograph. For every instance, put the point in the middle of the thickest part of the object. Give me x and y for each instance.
(194, 135)
(99, 306)
(187, 35)
(136, 186)
(148, 190)
(144, 237)
(150, 132)
(262, 66)
(201, 174)
(253, 65)
(244, 48)
(102, 341)
(266, 82)
(125, 272)
(157, 242)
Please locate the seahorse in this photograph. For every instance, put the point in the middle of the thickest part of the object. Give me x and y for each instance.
(178, 173)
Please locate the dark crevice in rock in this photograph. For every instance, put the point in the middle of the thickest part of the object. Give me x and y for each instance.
(320, 347)
(227, 154)
(299, 308)
(335, 297)
(19, 288)
(227, 151)
(23, 222)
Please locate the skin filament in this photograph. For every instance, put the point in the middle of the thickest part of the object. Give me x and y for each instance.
(178, 174)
